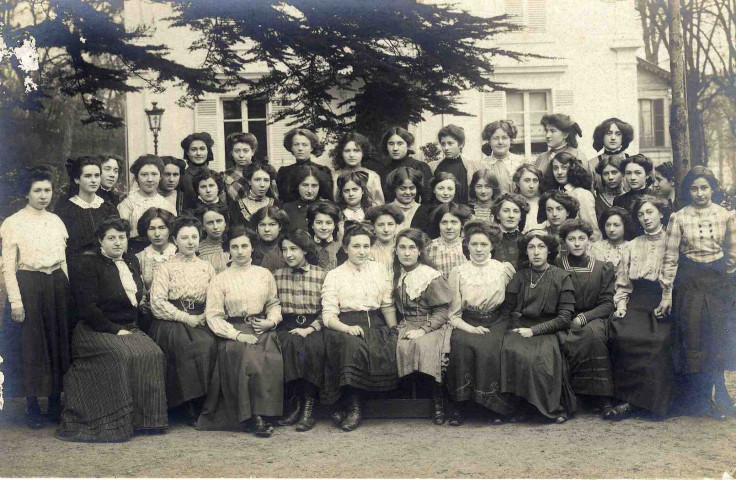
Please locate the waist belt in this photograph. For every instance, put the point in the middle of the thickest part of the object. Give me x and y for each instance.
(189, 306)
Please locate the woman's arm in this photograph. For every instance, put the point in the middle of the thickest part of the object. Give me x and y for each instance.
(10, 261)
(215, 312)
(565, 309)
(587, 211)
(86, 288)
(669, 264)
(161, 307)
(604, 305)
(624, 285)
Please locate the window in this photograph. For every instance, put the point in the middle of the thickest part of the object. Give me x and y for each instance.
(651, 123)
(251, 117)
(526, 110)
(530, 13)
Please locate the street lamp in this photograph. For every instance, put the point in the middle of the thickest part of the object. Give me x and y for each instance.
(154, 123)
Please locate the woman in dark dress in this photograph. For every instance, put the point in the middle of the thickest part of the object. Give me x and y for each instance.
(444, 187)
(396, 145)
(451, 139)
(613, 136)
(111, 165)
(209, 188)
(308, 184)
(611, 179)
(170, 185)
(638, 173)
(304, 145)
(269, 223)
(116, 383)
(323, 218)
(540, 301)
(554, 208)
(255, 190)
(198, 154)
(509, 212)
(663, 185)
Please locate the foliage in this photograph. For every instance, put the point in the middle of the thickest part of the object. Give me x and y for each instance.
(431, 152)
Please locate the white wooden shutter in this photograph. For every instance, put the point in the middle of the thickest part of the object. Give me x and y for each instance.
(536, 16)
(207, 119)
(515, 9)
(564, 101)
(493, 107)
(277, 155)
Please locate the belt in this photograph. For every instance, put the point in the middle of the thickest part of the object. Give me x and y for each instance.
(246, 320)
(299, 319)
(189, 306)
(47, 270)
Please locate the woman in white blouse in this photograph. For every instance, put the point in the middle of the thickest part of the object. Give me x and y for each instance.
(359, 313)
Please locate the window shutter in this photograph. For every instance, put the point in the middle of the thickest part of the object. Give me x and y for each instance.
(206, 119)
(493, 107)
(278, 155)
(537, 16)
(659, 137)
(515, 9)
(564, 101)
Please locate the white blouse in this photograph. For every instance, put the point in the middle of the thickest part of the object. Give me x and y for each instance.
(480, 287)
(150, 259)
(642, 259)
(179, 279)
(135, 204)
(355, 288)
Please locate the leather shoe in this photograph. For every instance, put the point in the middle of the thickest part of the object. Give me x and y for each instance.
(260, 427)
(293, 416)
(456, 417)
(620, 412)
(306, 421)
(34, 421)
(352, 420)
(560, 420)
(337, 417)
(438, 405)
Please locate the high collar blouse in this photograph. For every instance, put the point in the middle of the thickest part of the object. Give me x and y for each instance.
(135, 204)
(181, 280)
(150, 259)
(479, 287)
(641, 260)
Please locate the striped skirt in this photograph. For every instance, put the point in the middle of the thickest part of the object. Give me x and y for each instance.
(114, 386)
(586, 351)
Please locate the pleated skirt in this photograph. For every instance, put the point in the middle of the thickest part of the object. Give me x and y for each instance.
(304, 357)
(190, 354)
(427, 354)
(586, 351)
(114, 386)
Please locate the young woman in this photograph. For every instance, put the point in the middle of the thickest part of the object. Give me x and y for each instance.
(111, 166)
(405, 185)
(268, 223)
(178, 295)
(452, 140)
(638, 171)
(243, 310)
(360, 343)
(478, 286)
(353, 197)
(385, 220)
(422, 296)
(197, 153)
(699, 263)
(444, 188)
(84, 210)
(323, 218)
(115, 385)
(255, 190)
(554, 208)
(396, 144)
(586, 344)
(170, 185)
(560, 131)
(241, 146)
(663, 184)
(208, 186)
(540, 302)
(214, 219)
(304, 145)
(614, 224)
(610, 179)
(641, 349)
(36, 279)
(510, 212)
(446, 252)
(568, 174)
(484, 189)
(497, 137)
(613, 136)
(147, 172)
(527, 180)
(353, 153)
(299, 288)
(156, 224)
(309, 184)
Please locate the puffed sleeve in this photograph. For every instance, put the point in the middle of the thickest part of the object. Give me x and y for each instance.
(604, 305)
(624, 285)
(438, 296)
(455, 311)
(215, 310)
(125, 209)
(330, 302)
(160, 305)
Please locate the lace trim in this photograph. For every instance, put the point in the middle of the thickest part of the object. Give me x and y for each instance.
(479, 275)
(417, 281)
(96, 203)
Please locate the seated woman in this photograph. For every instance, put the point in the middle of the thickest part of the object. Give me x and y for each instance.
(269, 223)
(422, 297)
(308, 184)
(586, 344)
(214, 219)
(178, 297)
(446, 252)
(484, 189)
(444, 187)
(405, 184)
(116, 384)
(155, 223)
(385, 220)
(510, 213)
(243, 310)
(641, 349)
(360, 345)
(540, 301)
(323, 218)
(353, 197)
(299, 287)
(255, 190)
(614, 224)
(554, 208)
(354, 153)
(478, 289)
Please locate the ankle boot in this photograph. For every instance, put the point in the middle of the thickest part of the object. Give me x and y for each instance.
(456, 414)
(352, 420)
(438, 404)
(260, 427)
(306, 421)
(293, 416)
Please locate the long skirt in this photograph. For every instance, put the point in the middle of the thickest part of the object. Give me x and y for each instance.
(190, 359)
(641, 352)
(45, 332)
(247, 380)
(474, 372)
(426, 354)
(588, 358)
(535, 369)
(114, 386)
(365, 363)
(304, 357)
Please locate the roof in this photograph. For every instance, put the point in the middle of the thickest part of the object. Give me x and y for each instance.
(653, 68)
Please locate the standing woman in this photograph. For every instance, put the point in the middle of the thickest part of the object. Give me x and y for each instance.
(269, 223)
(613, 136)
(115, 385)
(353, 197)
(446, 251)
(422, 297)
(527, 180)
(498, 137)
(560, 132)
(510, 212)
(214, 219)
(36, 279)
(178, 295)
(555, 207)
(241, 146)
(156, 224)
(568, 174)
(303, 144)
(638, 172)
(396, 144)
(147, 172)
(351, 153)
(385, 220)
(478, 289)
(614, 224)
(452, 140)
(484, 189)
(610, 179)
(170, 185)
(700, 262)
(663, 184)
(84, 210)
(255, 190)
(111, 166)
(208, 185)
(405, 185)
(323, 218)
(360, 343)
(197, 153)
(308, 185)
(243, 310)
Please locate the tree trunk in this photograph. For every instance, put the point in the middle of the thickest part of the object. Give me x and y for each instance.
(679, 129)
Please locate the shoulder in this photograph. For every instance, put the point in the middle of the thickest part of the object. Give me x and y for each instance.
(65, 208)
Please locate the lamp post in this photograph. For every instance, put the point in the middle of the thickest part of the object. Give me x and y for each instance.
(154, 123)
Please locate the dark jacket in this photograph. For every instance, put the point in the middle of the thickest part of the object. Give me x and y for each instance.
(285, 175)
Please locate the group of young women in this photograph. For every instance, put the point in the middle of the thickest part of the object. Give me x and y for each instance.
(245, 298)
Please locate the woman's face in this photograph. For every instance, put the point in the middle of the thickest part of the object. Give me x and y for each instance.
(397, 147)
(480, 247)
(197, 152)
(207, 189)
(352, 193)
(407, 252)
(110, 172)
(613, 139)
(385, 226)
(170, 179)
(114, 243)
(259, 183)
(483, 191)
(615, 229)
(556, 213)
(301, 148)
(701, 192)
(359, 249)
(450, 227)
(148, 178)
(323, 227)
(352, 154)
(268, 229)
(406, 192)
(500, 142)
(309, 189)
(242, 154)
(89, 179)
(577, 243)
(293, 255)
(537, 252)
(240, 250)
(649, 217)
(40, 194)
(556, 138)
(661, 186)
(444, 191)
(528, 184)
(214, 225)
(158, 233)
(451, 148)
(509, 216)
(559, 171)
(636, 176)
(612, 177)
(187, 240)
